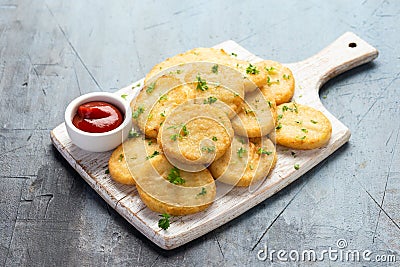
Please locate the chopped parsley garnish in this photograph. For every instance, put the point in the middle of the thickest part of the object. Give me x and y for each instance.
(124, 96)
(107, 171)
(313, 121)
(150, 142)
(324, 96)
(214, 138)
(209, 149)
(234, 54)
(185, 130)
(279, 126)
(295, 108)
(269, 103)
(296, 166)
(133, 134)
(137, 112)
(270, 69)
(162, 114)
(280, 116)
(155, 153)
(298, 122)
(301, 137)
(286, 108)
(210, 100)
(164, 223)
(150, 88)
(163, 97)
(241, 151)
(263, 151)
(286, 77)
(201, 84)
(269, 82)
(137, 85)
(175, 126)
(252, 69)
(214, 68)
(120, 157)
(248, 111)
(174, 176)
(304, 130)
(174, 137)
(293, 154)
(203, 192)
(251, 167)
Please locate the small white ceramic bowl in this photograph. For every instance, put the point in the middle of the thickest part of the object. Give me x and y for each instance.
(99, 142)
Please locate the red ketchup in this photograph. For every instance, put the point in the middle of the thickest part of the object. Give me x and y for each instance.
(97, 117)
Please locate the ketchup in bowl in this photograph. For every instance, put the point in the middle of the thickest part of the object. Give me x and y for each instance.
(97, 117)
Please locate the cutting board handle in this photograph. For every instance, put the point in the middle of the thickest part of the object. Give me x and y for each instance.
(345, 53)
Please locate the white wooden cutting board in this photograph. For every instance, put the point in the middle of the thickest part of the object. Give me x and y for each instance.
(347, 52)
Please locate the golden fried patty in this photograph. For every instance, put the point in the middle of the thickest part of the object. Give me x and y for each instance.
(134, 151)
(301, 127)
(278, 80)
(245, 163)
(166, 189)
(257, 116)
(195, 134)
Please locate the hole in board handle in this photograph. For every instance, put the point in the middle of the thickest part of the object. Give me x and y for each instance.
(352, 45)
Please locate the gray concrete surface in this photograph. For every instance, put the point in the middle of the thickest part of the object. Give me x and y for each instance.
(53, 51)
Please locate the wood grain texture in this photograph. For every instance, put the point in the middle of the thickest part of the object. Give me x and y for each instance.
(336, 58)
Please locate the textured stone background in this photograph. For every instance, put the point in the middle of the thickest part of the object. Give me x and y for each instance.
(53, 51)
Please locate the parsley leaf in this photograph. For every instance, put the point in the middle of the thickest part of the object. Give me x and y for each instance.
(203, 192)
(234, 54)
(214, 138)
(286, 77)
(252, 69)
(124, 96)
(174, 137)
(209, 149)
(214, 68)
(304, 130)
(174, 176)
(201, 84)
(313, 121)
(133, 134)
(241, 151)
(120, 157)
(163, 97)
(296, 166)
(150, 88)
(263, 151)
(137, 112)
(164, 223)
(270, 69)
(210, 100)
(295, 108)
(155, 153)
(279, 126)
(185, 130)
